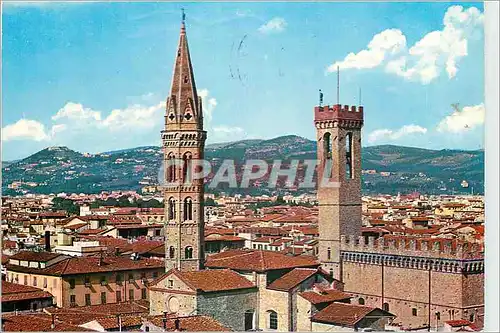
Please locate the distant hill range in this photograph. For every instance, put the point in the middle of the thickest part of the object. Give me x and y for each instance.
(386, 169)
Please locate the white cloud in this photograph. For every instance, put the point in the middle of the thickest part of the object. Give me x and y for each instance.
(76, 111)
(390, 41)
(392, 135)
(463, 119)
(209, 104)
(132, 117)
(25, 129)
(275, 25)
(434, 53)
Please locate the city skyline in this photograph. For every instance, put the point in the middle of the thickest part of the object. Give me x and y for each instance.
(253, 71)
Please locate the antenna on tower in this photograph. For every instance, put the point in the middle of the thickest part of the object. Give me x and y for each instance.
(360, 96)
(183, 16)
(338, 84)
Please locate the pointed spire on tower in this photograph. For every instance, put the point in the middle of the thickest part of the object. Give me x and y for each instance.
(183, 102)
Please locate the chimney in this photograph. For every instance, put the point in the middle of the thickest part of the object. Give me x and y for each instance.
(100, 259)
(177, 323)
(47, 240)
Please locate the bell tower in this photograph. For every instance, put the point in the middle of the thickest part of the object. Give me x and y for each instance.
(183, 142)
(338, 136)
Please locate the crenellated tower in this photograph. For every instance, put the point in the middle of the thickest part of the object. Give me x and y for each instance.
(338, 134)
(183, 142)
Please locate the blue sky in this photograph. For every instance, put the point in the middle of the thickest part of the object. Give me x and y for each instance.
(94, 76)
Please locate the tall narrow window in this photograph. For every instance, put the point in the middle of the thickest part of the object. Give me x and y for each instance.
(87, 299)
(329, 254)
(188, 209)
(186, 165)
(273, 320)
(348, 156)
(171, 168)
(171, 209)
(188, 252)
(361, 301)
(327, 146)
(118, 296)
(171, 252)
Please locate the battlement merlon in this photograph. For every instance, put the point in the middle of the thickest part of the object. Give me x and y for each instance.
(338, 112)
(413, 247)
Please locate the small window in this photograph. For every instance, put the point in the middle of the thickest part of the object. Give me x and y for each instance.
(71, 283)
(118, 296)
(471, 318)
(72, 300)
(438, 315)
(170, 283)
(103, 281)
(414, 312)
(385, 307)
(103, 298)
(131, 294)
(273, 320)
(34, 281)
(329, 253)
(143, 293)
(45, 282)
(87, 299)
(361, 301)
(147, 328)
(87, 281)
(26, 279)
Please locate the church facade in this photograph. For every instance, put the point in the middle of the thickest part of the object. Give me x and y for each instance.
(354, 283)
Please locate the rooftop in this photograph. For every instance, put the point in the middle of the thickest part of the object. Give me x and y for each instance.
(258, 260)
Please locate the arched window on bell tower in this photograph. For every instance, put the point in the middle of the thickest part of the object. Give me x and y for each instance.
(186, 171)
(349, 174)
(188, 252)
(171, 168)
(188, 209)
(171, 209)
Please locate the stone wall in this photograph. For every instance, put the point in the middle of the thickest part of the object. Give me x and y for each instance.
(228, 307)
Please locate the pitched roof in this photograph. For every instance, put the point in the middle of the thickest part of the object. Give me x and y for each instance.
(80, 265)
(36, 322)
(84, 314)
(210, 280)
(191, 323)
(258, 260)
(18, 292)
(327, 296)
(345, 314)
(35, 256)
(292, 279)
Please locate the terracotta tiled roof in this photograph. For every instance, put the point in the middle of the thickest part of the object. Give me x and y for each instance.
(35, 256)
(328, 296)
(85, 265)
(18, 292)
(292, 279)
(211, 280)
(225, 238)
(344, 314)
(84, 314)
(36, 322)
(258, 260)
(112, 323)
(191, 323)
(458, 323)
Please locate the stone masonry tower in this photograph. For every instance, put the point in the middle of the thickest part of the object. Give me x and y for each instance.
(183, 142)
(338, 135)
